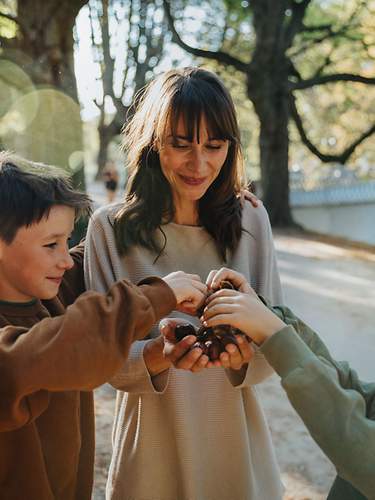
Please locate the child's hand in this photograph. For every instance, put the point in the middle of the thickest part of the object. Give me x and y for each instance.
(243, 311)
(189, 290)
(179, 353)
(236, 356)
(237, 279)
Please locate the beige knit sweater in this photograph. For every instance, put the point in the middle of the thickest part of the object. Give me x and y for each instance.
(179, 435)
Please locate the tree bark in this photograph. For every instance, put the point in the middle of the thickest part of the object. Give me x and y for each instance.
(267, 88)
(44, 49)
(47, 39)
(271, 106)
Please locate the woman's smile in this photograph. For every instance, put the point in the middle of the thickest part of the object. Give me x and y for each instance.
(192, 181)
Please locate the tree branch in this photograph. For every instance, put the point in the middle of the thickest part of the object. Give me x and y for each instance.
(10, 17)
(128, 52)
(219, 56)
(108, 61)
(315, 41)
(342, 32)
(296, 22)
(336, 77)
(17, 21)
(326, 158)
(320, 27)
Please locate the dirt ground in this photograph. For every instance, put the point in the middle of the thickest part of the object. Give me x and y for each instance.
(330, 286)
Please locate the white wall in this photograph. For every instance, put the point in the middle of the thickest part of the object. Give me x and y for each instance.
(346, 211)
(352, 221)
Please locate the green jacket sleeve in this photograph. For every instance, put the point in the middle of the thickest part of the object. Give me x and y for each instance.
(336, 407)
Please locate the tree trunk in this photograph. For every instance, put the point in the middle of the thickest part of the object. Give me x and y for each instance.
(273, 113)
(267, 88)
(47, 38)
(44, 50)
(105, 137)
(271, 107)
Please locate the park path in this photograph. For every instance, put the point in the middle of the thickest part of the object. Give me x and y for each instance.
(331, 287)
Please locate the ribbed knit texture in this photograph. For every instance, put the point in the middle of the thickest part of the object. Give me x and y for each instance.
(185, 436)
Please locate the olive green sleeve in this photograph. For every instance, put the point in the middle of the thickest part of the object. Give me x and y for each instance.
(336, 407)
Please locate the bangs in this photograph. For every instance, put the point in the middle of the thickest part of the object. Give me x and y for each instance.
(193, 102)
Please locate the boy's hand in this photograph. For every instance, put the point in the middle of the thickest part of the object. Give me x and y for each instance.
(237, 279)
(243, 311)
(179, 353)
(189, 290)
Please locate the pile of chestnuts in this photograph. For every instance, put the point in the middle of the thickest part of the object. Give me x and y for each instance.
(212, 340)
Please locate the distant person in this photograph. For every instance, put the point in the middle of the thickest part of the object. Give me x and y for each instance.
(336, 406)
(111, 179)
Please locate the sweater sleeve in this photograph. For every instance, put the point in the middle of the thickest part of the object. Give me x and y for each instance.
(101, 264)
(336, 407)
(268, 284)
(78, 350)
(134, 377)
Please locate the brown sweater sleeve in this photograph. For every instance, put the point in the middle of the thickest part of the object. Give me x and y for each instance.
(79, 350)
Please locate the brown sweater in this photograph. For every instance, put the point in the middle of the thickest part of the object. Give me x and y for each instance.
(52, 354)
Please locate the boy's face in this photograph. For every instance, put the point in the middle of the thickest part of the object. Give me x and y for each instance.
(32, 266)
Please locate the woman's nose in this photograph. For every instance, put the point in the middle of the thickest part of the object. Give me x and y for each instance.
(197, 160)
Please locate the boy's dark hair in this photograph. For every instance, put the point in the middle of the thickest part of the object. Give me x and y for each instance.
(28, 190)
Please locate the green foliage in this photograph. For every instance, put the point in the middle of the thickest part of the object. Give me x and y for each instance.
(336, 114)
(339, 37)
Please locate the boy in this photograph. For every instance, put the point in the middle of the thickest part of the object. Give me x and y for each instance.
(55, 349)
(336, 407)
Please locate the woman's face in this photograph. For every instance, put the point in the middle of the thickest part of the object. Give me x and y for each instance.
(191, 167)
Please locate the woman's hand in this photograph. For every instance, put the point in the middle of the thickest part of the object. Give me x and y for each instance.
(153, 356)
(179, 353)
(189, 290)
(237, 279)
(243, 311)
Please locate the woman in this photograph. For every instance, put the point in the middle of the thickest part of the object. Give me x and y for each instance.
(184, 431)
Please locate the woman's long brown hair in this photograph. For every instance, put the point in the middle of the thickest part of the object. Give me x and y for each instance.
(187, 94)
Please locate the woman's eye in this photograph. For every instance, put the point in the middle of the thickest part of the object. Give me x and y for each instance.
(214, 146)
(51, 245)
(178, 145)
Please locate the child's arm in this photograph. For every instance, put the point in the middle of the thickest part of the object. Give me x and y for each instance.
(242, 310)
(320, 389)
(80, 349)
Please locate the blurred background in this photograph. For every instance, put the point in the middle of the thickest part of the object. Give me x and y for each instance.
(302, 74)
